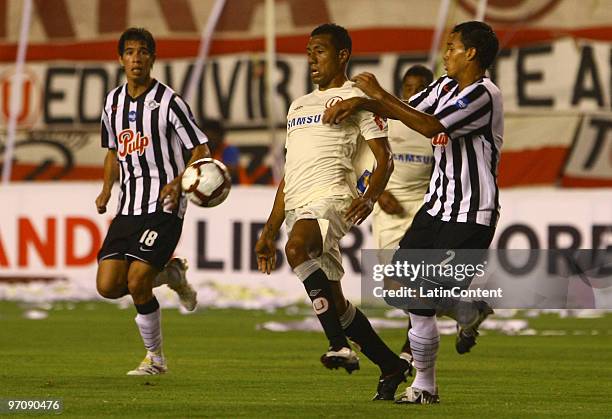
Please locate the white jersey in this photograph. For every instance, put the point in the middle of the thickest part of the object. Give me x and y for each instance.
(319, 156)
(412, 158)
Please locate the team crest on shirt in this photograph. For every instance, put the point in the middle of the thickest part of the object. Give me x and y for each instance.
(130, 142)
(440, 140)
(132, 116)
(332, 101)
(152, 104)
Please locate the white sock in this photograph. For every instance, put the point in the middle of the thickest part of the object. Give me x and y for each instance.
(424, 342)
(149, 326)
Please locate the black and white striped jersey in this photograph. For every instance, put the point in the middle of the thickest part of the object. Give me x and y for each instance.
(148, 133)
(463, 187)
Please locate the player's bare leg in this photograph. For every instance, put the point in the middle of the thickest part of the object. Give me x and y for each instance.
(148, 319)
(111, 279)
(304, 246)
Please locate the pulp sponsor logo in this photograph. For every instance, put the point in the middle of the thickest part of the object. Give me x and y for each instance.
(132, 143)
(440, 140)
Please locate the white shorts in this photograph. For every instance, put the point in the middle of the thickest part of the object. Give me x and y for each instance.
(329, 213)
(389, 229)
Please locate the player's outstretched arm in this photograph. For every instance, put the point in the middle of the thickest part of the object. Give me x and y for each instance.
(385, 104)
(361, 207)
(171, 192)
(265, 248)
(111, 174)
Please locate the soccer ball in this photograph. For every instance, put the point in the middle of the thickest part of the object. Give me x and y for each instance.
(206, 182)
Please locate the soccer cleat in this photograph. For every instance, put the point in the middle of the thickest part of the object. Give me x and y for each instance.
(414, 395)
(466, 336)
(387, 385)
(406, 353)
(187, 295)
(149, 366)
(345, 358)
(465, 340)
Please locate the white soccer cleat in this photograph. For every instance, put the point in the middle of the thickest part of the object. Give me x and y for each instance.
(414, 395)
(177, 269)
(150, 366)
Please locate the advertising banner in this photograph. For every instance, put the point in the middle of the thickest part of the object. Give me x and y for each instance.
(51, 232)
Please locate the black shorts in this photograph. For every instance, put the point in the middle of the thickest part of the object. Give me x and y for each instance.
(427, 232)
(151, 238)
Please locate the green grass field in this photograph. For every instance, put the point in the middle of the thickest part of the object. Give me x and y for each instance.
(221, 366)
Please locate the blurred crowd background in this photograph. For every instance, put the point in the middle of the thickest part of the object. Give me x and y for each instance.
(554, 70)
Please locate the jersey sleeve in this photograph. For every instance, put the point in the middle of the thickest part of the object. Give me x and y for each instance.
(181, 118)
(468, 114)
(106, 133)
(427, 98)
(371, 125)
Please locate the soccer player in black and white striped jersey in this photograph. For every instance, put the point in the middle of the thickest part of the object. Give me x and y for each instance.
(462, 114)
(145, 125)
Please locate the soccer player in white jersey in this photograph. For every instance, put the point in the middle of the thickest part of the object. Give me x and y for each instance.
(403, 197)
(145, 125)
(462, 114)
(319, 203)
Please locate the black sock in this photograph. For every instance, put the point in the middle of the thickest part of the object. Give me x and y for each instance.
(319, 291)
(361, 332)
(148, 307)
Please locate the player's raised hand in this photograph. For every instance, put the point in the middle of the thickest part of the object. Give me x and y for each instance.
(265, 249)
(369, 85)
(340, 111)
(359, 210)
(170, 194)
(389, 203)
(102, 200)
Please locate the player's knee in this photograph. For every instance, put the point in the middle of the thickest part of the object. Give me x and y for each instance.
(296, 252)
(139, 284)
(110, 290)
(299, 251)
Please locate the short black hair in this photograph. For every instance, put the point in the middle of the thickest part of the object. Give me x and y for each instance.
(339, 36)
(136, 34)
(419, 70)
(479, 35)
